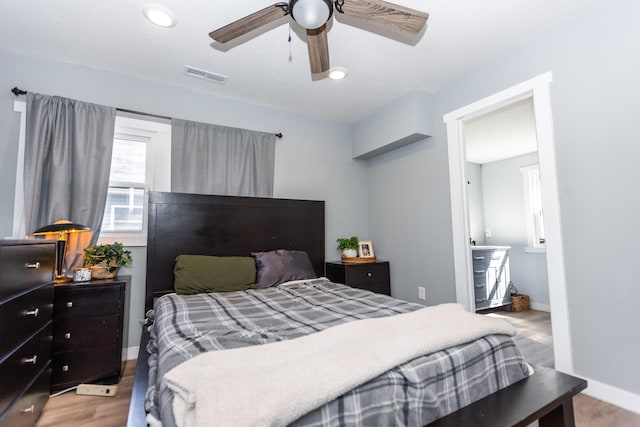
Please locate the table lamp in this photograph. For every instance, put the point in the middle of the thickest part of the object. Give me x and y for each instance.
(60, 228)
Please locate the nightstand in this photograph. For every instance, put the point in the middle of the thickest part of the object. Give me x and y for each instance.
(90, 325)
(372, 276)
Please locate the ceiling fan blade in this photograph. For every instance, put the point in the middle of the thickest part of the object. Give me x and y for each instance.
(318, 50)
(248, 23)
(389, 15)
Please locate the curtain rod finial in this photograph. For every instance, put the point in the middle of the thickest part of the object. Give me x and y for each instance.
(18, 92)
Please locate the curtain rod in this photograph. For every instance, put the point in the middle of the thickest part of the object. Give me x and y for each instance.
(18, 92)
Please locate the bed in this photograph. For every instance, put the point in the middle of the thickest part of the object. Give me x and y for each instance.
(255, 323)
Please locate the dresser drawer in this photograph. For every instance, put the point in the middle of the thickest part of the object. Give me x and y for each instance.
(367, 274)
(75, 367)
(25, 315)
(74, 302)
(21, 367)
(76, 334)
(25, 266)
(26, 410)
(481, 259)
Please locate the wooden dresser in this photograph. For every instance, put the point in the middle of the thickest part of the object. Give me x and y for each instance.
(26, 303)
(491, 276)
(89, 327)
(372, 276)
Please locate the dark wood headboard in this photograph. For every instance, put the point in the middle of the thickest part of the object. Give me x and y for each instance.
(226, 225)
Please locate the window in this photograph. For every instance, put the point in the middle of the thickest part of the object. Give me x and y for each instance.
(533, 207)
(138, 147)
(124, 211)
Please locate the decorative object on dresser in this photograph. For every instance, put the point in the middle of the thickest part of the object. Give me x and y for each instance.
(26, 301)
(90, 326)
(372, 276)
(60, 228)
(81, 274)
(348, 246)
(105, 260)
(365, 249)
(491, 277)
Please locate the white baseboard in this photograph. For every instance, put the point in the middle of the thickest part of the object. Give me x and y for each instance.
(130, 353)
(540, 307)
(613, 395)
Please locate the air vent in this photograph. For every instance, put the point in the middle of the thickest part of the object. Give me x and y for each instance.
(205, 75)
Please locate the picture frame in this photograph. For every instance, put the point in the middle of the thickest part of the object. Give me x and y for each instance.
(365, 249)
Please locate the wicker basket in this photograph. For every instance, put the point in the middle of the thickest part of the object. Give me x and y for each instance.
(520, 302)
(99, 272)
(357, 260)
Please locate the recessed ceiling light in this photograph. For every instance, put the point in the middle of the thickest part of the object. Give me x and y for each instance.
(159, 15)
(337, 73)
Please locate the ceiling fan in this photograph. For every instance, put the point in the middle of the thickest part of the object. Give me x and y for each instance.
(313, 16)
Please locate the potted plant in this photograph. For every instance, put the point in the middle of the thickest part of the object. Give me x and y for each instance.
(105, 260)
(348, 246)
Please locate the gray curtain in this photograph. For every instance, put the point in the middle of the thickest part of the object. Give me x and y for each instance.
(211, 159)
(66, 164)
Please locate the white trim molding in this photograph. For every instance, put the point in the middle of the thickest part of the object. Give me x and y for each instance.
(536, 88)
(19, 221)
(131, 353)
(540, 307)
(613, 395)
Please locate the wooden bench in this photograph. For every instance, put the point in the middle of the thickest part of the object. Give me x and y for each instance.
(546, 396)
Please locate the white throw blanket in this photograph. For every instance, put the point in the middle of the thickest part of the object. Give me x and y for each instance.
(274, 384)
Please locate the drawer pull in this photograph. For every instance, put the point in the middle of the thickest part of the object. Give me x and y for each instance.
(65, 368)
(35, 265)
(67, 336)
(479, 271)
(479, 258)
(479, 286)
(369, 274)
(30, 410)
(69, 304)
(481, 299)
(33, 359)
(33, 313)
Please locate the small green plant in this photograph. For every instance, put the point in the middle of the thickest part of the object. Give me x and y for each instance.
(110, 255)
(347, 243)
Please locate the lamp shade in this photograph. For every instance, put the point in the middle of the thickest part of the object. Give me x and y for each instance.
(311, 14)
(61, 226)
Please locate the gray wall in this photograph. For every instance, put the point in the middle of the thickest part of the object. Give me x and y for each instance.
(313, 160)
(595, 64)
(504, 214)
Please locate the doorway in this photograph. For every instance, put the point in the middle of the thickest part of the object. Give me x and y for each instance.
(538, 90)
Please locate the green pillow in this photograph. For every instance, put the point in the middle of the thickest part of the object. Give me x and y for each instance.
(194, 274)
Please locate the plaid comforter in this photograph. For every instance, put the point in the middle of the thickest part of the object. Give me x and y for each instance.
(411, 394)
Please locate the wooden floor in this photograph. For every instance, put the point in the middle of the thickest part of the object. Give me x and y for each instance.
(71, 410)
(535, 343)
(534, 335)
(534, 340)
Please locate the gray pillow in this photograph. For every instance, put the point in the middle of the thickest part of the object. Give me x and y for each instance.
(281, 265)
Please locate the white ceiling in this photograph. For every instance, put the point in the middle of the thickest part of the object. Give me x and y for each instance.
(501, 134)
(265, 69)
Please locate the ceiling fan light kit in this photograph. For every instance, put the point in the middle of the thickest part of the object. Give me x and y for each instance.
(313, 15)
(338, 73)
